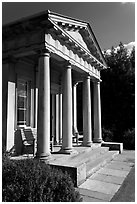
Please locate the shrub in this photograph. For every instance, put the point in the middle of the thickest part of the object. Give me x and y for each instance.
(33, 181)
(129, 139)
(107, 135)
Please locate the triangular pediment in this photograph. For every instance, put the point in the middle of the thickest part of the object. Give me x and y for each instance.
(81, 32)
(77, 36)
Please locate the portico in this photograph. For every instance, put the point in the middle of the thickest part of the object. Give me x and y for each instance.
(54, 55)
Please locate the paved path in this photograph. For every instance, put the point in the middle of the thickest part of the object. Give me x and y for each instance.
(103, 185)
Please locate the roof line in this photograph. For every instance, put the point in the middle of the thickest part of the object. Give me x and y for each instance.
(100, 51)
(36, 15)
(28, 17)
(64, 16)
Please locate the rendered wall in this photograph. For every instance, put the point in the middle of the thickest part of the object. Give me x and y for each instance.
(5, 70)
(11, 106)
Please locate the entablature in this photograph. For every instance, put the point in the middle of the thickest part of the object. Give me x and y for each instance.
(63, 51)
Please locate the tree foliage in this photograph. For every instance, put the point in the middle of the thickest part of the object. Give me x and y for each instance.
(118, 91)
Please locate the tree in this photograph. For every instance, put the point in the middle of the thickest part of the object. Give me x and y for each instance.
(118, 91)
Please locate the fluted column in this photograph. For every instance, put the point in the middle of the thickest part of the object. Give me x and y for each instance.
(87, 126)
(67, 112)
(43, 128)
(97, 113)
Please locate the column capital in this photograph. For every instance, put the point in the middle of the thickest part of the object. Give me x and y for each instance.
(86, 77)
(96, 81)
(74, 83)
(44, 52)
(68, 64)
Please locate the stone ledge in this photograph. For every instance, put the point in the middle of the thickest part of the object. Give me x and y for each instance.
(113, 146)
(77, 173)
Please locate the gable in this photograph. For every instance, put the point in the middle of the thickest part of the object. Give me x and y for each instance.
(77, 36)
(81, 32)
(86, 42)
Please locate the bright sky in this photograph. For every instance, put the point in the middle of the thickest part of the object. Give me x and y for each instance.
(111, 22)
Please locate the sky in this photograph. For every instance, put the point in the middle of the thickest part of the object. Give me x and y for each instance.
(112, 22)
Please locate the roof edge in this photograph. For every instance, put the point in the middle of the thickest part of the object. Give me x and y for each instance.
(28, 17)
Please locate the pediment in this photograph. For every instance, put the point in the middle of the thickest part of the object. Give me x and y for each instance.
(77, 36)
(81, 32)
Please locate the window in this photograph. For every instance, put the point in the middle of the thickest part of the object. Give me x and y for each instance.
(23, 107)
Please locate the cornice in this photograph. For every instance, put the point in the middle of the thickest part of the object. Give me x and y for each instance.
(66, 19)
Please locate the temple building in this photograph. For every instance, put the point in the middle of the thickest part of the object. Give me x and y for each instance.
(45, 57)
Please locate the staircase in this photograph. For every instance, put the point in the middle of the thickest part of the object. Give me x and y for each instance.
(84, 163)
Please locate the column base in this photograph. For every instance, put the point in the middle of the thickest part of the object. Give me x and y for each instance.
(87, 144)
(67, 151)
(97, 140)
(43, 156)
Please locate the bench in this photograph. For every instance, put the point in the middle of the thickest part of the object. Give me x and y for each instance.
(76, 138)
(28, 141)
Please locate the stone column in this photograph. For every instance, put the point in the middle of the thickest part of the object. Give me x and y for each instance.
(60, 118)
(43, 128)
(75, 130)
(67, 112)
(87, 126)
(97, 113)
(57, 118)
(53, 115)
(36, 100)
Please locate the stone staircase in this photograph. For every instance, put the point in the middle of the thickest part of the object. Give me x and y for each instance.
(84, 162)
(102, 159)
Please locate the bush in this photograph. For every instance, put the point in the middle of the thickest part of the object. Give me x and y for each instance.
(33, 181)
(129, 139)
(107, 135)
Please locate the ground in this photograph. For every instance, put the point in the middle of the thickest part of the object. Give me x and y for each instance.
(126, 192)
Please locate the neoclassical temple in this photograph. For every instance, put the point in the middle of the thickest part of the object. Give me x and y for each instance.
(45, 57)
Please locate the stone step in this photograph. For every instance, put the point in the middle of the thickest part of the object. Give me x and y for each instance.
(84, 163)
(83, 156)
(88, 156)
(94, 165)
